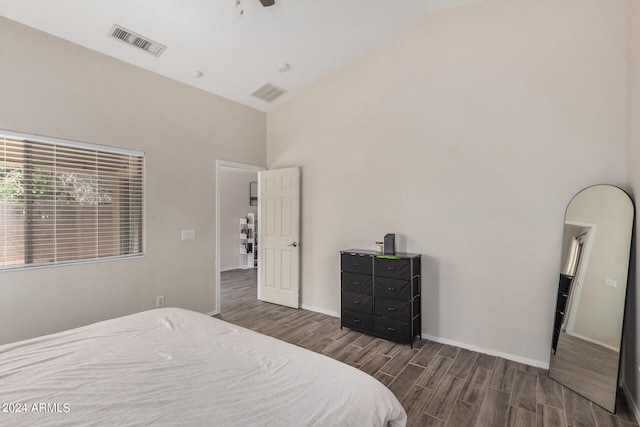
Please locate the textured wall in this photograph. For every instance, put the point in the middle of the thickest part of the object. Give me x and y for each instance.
(53, 88)
(467, 134)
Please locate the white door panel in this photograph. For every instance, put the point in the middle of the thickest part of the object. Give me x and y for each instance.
(279, 235)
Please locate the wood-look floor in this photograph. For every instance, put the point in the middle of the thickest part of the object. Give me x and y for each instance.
(438, 385)
(588, 368)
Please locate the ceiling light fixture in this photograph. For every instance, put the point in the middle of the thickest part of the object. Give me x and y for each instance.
(284, 67)
(239, 7)
(265, 3)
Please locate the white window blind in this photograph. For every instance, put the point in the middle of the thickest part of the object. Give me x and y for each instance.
(65, 202)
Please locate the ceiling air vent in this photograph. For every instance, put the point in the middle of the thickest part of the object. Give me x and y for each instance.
(135, 39)
(269, 92)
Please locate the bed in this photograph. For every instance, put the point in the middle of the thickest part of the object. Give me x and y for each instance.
(172, 367)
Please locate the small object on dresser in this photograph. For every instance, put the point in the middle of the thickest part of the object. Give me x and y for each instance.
(379, 247)
(390, 244)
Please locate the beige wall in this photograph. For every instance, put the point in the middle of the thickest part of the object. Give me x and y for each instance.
(468, 134)
(631, 337)
(54, 88)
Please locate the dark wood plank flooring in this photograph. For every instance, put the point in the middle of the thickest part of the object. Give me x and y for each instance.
(438, 384)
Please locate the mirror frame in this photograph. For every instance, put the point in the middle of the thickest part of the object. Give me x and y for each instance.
(576, 368)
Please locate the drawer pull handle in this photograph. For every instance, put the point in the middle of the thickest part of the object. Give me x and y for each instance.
(357, 283)
(356, 320)
(356, 264)
(391, 268)
(391, 289)
(391, 309)
(356, 301)
(391, 329)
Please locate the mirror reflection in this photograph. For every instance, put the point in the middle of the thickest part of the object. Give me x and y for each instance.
(585, 350)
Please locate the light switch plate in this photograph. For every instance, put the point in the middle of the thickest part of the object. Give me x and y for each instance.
(188, 234)
(610, 282)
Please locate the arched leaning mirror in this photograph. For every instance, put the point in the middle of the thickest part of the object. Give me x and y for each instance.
(585, 350)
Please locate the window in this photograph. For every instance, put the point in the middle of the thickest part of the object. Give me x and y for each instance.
(62, 201)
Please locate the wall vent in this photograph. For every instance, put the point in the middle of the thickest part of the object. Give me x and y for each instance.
(136, 40)
(268, 92)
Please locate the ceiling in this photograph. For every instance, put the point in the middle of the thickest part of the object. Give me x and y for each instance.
(234, 53)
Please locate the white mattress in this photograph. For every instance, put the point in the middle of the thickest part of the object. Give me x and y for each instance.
(177, 367)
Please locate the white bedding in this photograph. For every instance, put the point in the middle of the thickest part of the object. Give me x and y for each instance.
(177, 367)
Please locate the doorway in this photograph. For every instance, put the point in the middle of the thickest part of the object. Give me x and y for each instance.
(582, 235)
(236, 224)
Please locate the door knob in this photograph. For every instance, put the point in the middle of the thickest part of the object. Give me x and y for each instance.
(294, 244)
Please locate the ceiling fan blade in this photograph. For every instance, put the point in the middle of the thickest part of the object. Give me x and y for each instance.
(266, 3)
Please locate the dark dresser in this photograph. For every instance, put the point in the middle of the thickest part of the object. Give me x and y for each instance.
(561, 308)
(380, 294)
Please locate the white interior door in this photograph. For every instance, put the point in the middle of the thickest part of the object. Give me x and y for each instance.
(279, 236)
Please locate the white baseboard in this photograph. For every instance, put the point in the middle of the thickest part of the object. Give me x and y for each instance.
(632, 404)
(591, 340)
(519, 359)
(512, 357)
(213, 313)
(320, 310)
(232, 268)
(515, 358)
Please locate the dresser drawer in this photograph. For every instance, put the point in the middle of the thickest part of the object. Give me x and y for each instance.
(352, 282)
(396, 309)
(353, 301)
(392, 288)
(392, 329)
(354, 263)
(557, 324)
(357, 321)
(561, 303)
(392, 308)
(565, 284)
(393, 268)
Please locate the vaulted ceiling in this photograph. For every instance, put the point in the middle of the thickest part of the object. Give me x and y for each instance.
(230, 47)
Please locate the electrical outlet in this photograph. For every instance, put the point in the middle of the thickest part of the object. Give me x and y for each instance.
(160, 301)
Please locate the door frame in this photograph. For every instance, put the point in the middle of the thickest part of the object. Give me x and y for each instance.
(583, 264)
(219, 165)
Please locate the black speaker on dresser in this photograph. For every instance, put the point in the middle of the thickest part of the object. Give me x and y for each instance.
(390, 244)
